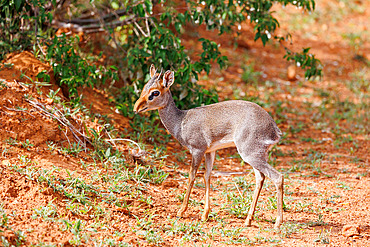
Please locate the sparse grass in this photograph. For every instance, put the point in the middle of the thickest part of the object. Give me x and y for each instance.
(88, 197)
(188, 232)
(110, 186)
(238, 200)
(323, 236)
(318, 222)
(48, 212)
(311, 161)
(343, 185)
(289, 228)
(360, 83)
(249, 75)
(19, 236)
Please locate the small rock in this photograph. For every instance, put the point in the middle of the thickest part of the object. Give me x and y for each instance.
(351, 230)
(48, 191)
(291, 73)
(140, 234)
(49, 101)
(168, 183)
(120, 238)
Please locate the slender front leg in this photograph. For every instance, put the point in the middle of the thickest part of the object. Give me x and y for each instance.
(260, 178)
(210, 158)
(196, 159)
(279, 183)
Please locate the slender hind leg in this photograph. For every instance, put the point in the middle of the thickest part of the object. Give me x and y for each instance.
(260, 178)
(210, 158)
(196, 159)
(258, 162)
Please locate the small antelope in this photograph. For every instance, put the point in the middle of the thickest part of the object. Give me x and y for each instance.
(203, 130)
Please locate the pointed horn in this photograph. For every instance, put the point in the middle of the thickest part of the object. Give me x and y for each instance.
(155, 72)
(160, 73)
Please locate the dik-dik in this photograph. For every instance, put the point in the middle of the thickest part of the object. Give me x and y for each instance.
(203, 130)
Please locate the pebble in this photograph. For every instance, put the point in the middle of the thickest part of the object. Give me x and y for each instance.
(351, 230)
(291, 73)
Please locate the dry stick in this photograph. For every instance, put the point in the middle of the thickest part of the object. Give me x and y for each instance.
(114, 144)
(13, 109)
(61, 119)
(138, 154)
(67, 137)
(71, 126)
(23, 85)
(237, 187)
(94, 27)
(141, 30)
(106, 18)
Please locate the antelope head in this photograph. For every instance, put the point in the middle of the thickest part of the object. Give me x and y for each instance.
(156, 91)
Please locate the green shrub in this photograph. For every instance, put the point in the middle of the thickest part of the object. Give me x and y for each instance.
(20, 21)
(71, 69)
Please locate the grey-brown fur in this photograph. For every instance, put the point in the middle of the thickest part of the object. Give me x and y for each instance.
(203, 130)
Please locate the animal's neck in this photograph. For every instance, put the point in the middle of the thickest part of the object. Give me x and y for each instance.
(172, 117)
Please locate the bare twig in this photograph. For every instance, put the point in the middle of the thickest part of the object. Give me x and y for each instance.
(106, 18)
(41, 49)
(61, 119)
(96, 27)
(141, 30)
(13, 109)
(136, 154)
(23, 85)
(65, 134)
(237, 187)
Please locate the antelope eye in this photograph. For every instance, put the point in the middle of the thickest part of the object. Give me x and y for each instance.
(155, 93)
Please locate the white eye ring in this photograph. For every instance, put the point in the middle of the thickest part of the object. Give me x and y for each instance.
(155, 93)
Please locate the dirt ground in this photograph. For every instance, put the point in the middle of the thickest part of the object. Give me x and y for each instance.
(55, 193)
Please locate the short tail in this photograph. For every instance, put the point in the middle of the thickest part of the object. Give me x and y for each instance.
(275, 135)
(278, 132)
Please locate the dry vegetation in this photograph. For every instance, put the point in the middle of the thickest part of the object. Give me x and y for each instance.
(56, 192)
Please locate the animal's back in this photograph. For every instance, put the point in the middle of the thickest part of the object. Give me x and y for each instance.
(228, 120)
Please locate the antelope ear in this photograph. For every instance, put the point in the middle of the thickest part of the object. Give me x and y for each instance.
(152, 70)
(168, 79)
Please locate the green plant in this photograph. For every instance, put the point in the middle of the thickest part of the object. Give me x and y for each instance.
(19, 236)
(249, 75)
(11, 141)
(48, 212)
(307, 61)
(319, 222)
(72, 70)
(290, 228)
(323, 236)
(2, 84)
(238, 203)
(360, 82)
(26, 144)
(155, 38)
(234, 235)
(148, 174)
(189, 231)
(356, 40)
(73, 148)
(21, 22)
(343, 185)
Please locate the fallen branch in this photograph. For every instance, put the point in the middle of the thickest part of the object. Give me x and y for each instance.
(106, 18)
(57, 115)
(135, 154)
(18, 110)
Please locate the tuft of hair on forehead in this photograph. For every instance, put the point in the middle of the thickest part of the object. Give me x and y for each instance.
(153, 80)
